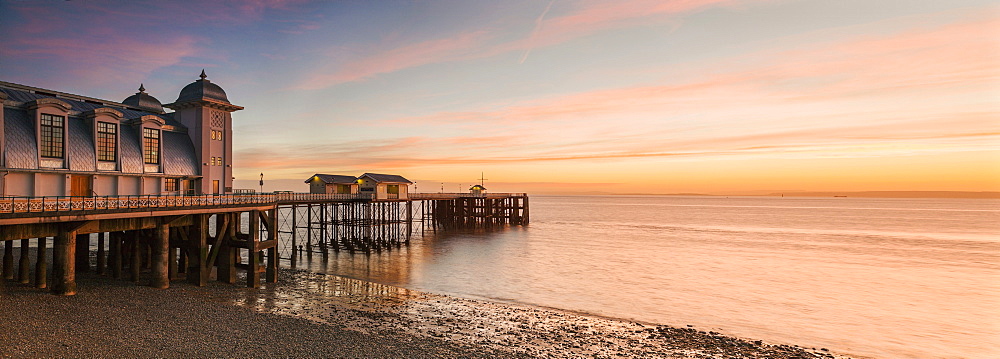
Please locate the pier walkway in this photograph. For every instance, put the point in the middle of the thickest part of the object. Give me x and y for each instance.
(159, 238)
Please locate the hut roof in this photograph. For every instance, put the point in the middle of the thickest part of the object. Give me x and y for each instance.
(383, 178)
(341, 179)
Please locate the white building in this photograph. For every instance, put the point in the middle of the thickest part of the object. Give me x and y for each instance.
(60, 144)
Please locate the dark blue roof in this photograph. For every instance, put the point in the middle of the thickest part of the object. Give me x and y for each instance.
(178, 156)
(333, 178)
(128, 113)
(383, 178)
(21, 150)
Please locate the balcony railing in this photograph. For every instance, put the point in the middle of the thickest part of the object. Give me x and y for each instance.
(71, 203)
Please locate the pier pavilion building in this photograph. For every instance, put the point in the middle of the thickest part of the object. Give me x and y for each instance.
(61, 144)
(370, 185)
(332, 184)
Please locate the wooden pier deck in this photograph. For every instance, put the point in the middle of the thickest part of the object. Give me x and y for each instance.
(157, 239)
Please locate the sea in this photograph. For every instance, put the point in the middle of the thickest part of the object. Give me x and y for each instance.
(885, 278)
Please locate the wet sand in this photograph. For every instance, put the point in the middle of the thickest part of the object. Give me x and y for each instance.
(318, 315)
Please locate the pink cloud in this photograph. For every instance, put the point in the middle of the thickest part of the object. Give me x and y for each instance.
(396, 59)
(589, 18)
(960, 54)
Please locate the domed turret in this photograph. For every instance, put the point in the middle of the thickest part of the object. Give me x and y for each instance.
(202, 89)
(204, 93)
(143, 101)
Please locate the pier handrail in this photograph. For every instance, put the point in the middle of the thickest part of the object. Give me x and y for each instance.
(13, 204)
(461, 195)
(42, 204)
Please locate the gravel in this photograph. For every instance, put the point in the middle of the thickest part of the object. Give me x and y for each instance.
(317, 315)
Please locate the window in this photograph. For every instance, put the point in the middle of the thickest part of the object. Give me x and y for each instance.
(151, 145)
(170, 185)
(213, 134)
(52, 131)
(219, 135)
(107, 141)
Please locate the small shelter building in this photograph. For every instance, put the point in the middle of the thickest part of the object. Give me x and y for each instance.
(477, 190)
(384, 186)
(332, 184)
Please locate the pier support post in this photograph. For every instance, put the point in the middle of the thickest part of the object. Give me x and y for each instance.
(23, 266)
(83, 252)
(136, 256)
(64, 262)
(159, 247)
(116, 254)
(198, 250)
(272, 253)
(253, 257)
(102, 261)
(8, 260)
(226, 271)
(41, 277)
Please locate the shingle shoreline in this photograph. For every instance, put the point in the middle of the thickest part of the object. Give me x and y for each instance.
(318, 315)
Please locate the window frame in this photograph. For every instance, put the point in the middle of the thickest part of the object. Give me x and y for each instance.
(107, 141)
(151, 145)
(49, 145)
(171, 184)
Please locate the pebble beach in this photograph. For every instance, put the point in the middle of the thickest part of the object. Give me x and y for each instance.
(319, 315)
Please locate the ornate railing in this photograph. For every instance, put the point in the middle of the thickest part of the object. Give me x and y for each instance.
(70, 203)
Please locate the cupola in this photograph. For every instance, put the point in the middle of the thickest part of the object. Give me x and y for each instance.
(204, 93)
(143, 101)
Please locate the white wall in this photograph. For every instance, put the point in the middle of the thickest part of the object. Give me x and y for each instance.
(106, 185)
(128, 185)
(19, 184)
(50, 184)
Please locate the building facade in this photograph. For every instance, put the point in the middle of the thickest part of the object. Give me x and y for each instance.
(60, 144)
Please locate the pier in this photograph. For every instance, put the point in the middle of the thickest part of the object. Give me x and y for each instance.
(153, 240)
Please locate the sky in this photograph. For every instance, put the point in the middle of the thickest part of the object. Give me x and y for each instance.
(557, 96)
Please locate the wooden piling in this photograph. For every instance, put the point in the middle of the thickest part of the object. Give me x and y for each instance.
(83, 253)
(198, 270)
(64, 263)
(23, 265)
(101, 255)
(116, 254)
(159, 246)
(271, 276)
(8, 260)
(226, 271)
(41, 266)
(135, 258)
(253, 257)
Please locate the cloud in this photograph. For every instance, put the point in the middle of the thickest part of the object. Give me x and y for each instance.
(585, 19)
(111, 59)
(396, 59)
(534, 33)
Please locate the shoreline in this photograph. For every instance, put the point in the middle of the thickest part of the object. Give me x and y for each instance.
(312, 314)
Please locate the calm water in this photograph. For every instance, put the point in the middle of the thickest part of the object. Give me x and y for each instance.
(879, 277)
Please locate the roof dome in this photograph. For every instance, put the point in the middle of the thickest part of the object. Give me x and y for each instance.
(144, 101)
(202, 89)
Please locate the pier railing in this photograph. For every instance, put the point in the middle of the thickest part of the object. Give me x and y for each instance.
(139, 202)
(419, 196)
(72, 203)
